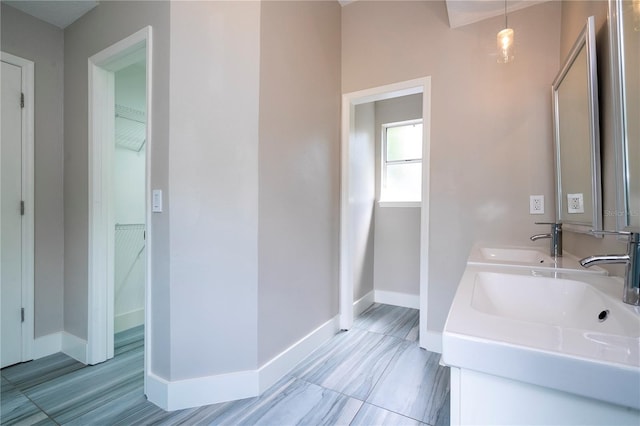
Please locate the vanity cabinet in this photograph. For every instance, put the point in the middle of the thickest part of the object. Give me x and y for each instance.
(483, 399)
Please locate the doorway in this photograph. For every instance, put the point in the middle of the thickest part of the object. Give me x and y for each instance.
(347, 225)
(17, 210)
(129, 196)
(119, 158)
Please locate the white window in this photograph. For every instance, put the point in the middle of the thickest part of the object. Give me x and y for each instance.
(401, 161)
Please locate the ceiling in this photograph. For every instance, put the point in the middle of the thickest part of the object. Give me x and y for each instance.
(56, 12)
(465, 12)
(62, 13)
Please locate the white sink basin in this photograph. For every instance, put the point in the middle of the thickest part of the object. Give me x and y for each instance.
(551, 301)
(527, 257)
(520, 255)
(545, 328)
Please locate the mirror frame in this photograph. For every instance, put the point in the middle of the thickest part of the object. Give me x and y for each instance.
(586, 39)
(616, 41)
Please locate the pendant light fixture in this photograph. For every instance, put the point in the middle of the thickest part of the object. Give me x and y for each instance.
(505, 41)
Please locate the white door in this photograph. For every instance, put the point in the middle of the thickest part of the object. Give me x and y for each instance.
(11, 216)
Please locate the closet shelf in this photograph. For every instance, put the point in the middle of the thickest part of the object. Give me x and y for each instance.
(130, 128)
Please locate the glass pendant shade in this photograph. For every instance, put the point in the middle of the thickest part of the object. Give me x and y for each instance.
(505, 46)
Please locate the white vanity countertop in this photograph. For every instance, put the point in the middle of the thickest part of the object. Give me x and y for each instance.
(526, 257)
(542, 327)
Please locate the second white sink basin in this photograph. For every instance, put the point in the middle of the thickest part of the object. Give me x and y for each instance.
(514, 255)
(527, 257)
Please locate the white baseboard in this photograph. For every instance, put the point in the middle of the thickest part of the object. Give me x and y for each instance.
(434, 341)
(397, 299)
(277, 367)
(362, 304)
(47, 345)
(75, 347)
(180, 394)
(128, 320)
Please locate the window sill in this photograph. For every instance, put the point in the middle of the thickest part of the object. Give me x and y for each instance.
(399, 204)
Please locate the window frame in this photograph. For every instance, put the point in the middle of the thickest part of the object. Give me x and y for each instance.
(385, 202)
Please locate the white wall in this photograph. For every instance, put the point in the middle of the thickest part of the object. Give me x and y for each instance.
(362, 196)
(397, 229)
(32, 39)
(491, 140)
(298, 171)
(213, 180)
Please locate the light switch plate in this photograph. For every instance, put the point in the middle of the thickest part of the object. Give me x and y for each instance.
(536, 204)
(575, 203)
(156, 201)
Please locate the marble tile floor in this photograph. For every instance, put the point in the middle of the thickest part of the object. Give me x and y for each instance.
(374, 374)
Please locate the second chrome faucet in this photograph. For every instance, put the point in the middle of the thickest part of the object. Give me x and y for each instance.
(555, 236)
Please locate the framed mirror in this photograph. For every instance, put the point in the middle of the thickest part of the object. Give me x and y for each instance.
(577, 136)
(624, 35)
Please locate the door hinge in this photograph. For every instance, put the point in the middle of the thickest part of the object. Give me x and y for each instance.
(21, 100)
(22, 314)
(21, 208)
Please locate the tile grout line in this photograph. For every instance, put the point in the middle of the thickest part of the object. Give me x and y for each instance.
(364, 401)
(31, 400)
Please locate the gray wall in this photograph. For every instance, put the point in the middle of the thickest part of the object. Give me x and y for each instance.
(101, 27)
(299, 171)
(42, 43)
(574, 17)
(397, 229)
(215, 58)
(362, 197)
(491, 123)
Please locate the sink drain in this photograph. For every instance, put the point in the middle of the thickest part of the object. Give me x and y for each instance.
(602, 316)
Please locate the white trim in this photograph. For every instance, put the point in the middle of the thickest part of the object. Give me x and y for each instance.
(156, 389)
(75, 347)
(28, 242)
(60, 341)
(386, 204)
(433, 341)
(425, 211)
(128, 320)
(280, 365)
(349, 101)
(100, 268)
(101, 68)
(149, 230)
(397, 299)
(362, 304)
(47, 345)
(346, 276)
(180, 394)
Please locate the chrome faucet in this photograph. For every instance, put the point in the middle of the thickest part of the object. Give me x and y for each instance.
(555, 235)
(631, 294)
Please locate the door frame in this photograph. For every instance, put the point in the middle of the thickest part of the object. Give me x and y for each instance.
(101, 116)
(349, 102)
(28, 196)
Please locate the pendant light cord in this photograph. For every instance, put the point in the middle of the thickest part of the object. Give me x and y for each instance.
(506, 25)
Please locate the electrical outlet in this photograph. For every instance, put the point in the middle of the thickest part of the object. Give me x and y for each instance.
(575, 203)
(536, 204)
